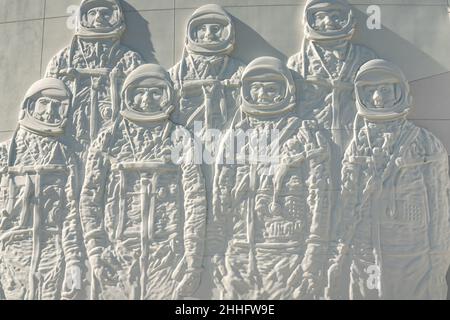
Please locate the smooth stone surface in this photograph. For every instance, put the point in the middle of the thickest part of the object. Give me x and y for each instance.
(430, 98)
(19, 10)
(20, 63)
(226, 3)
(58, 8)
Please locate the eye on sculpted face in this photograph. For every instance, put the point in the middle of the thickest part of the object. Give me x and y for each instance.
(379, 96)
(210, 33)
(329, 20)
(147, 99)
(100, 17)
(266, 92)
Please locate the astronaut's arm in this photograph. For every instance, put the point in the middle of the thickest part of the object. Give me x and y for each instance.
(2, 294)
(295, 63)
(91, 202)
(237, 76)
(348, 202)
(221, 208)
(320, 207)
(195, 207)
(3, 181)
(71, 227)
(437, 182)
(57, 64)
(130, 61)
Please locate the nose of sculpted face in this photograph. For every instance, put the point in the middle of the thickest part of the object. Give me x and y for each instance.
(208, 34)
(49, 115)
(260, 95)
(328, 23)
(378, 99)
(145, 102)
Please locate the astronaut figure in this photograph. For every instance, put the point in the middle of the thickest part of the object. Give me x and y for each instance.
(39, 226)
(395, 227)
(328, 63)
(271, 202)
(94, 67)
(207, 76)
(207, 80)
(143, 214)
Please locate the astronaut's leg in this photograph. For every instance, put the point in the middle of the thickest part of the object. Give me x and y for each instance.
(2, 293)
(364, 277)
(275, 269)
(162, 262)
(121, 275)
(51, 271)
(236, 283)
(14, 269)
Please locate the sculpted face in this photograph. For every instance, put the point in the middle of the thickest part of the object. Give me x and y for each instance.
(379, 96)
(209, 33)
(147, 99)
(100, 17)
(329, 20)
(267, 92)
(49, 110)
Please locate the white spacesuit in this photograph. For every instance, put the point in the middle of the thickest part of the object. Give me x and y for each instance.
(94, 67)
(271, 207)
(143, 214)
(328, 63)
(395, 232)
(207, 77)
(40, 253)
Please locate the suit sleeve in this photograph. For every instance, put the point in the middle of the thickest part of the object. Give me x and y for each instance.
(92, 197)
(195, 205)
(436, 177)
(319, 201)
(224, 180)
(71, 228)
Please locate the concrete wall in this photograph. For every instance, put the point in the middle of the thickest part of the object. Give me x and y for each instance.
(415, 35)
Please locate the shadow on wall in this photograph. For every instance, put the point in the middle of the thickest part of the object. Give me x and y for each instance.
(138, 36)
(250, 45)
(390, 46)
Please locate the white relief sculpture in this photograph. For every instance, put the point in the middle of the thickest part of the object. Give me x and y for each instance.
(94, 67)
(271, 214)
(395, 228)
(328, 63)
(207, 77)
(207, 80)
(39, 225)
(270, 217)
(143, 215)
